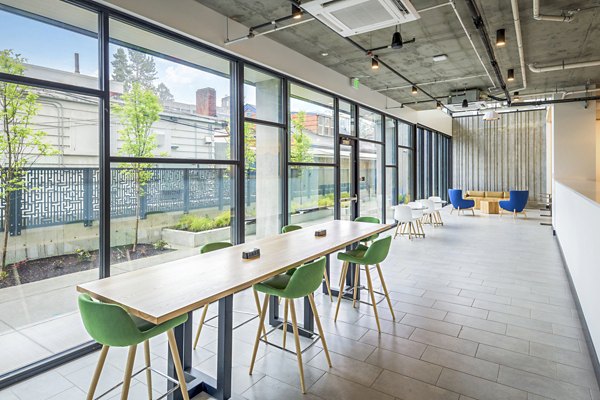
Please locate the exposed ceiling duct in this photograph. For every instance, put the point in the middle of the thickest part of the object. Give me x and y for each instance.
(540, 17)
(563, 66)
(478, 21)
(515, 11)
(471, 41)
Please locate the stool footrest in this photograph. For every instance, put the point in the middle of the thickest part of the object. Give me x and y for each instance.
(167, 377)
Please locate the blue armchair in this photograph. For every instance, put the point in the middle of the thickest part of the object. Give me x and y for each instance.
(516, 203)
(458, 203)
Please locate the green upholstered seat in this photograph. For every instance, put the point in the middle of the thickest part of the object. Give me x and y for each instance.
(304, 281)
(374, 254)
(290, 228)
(111, 325)
(214, 246)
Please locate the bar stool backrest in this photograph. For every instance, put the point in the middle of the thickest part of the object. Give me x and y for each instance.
(290, 228)
(429, 204)
(305, 279)
(403, 213)
(108, 324)
(378, 251)
(208, 247)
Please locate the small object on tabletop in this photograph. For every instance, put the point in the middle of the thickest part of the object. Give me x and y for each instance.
(321, 232)
(252, 253)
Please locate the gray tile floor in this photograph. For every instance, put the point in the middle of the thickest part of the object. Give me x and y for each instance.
(483, 311)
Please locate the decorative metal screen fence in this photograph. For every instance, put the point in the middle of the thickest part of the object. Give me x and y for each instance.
(57, 196)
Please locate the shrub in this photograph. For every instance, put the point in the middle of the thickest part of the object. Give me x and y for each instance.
(83, 255)
(194, 223)
(160, 245)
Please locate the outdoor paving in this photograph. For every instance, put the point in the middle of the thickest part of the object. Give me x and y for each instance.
(483, 311)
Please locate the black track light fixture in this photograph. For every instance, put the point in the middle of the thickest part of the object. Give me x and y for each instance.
(296, 12)
(414, 90)
(511, 75)
(374, 63)
(465, 103)
(397, 39)
(500, 38)
(438, 105)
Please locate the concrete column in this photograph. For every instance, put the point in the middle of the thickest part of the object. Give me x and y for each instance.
(268, 186)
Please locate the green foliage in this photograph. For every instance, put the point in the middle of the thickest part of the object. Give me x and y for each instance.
(250, 146)
(403, 198)
(164, 94)
(300, 146)
(160, 245)
(194, 223)
(323, 201)
(134, 67)
(83, 255)
(138, 112)
(20, 144)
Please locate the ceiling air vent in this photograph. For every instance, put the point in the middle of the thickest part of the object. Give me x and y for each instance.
(351, 17)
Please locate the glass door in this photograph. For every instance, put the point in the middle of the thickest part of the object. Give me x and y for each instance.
(348, 190)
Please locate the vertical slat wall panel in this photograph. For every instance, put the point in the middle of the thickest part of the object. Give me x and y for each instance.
(500, 155)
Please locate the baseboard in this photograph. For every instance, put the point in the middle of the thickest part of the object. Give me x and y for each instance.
(584, 326)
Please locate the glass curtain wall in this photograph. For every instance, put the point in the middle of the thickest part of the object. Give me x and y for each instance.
(49, 177)
(311, 158)
(371, 159)
(391, 168)
(263, 138)
(433, 163)
(406, 158)
(168, 102)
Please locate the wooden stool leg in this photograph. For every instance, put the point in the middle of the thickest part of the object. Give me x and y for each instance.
(341, 291)
(298, 348)
(257, 301)
(387, 295)
(311, 299)
(128, 372)
(356, 277)
(285, 319)
(97, 372)
(178, 366)
(263, 313)
(328, 286)
(148, 365)
(204, 311)
(373, 299)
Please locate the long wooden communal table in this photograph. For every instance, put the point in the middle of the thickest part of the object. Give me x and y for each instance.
(162, 292)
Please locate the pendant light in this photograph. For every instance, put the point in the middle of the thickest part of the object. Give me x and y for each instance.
(500, 38)
(491, 115)
(465, 103)
(374, 63)
(438, 105)
(511, 75)
(414, 90)
(296, 12)
(397, 39)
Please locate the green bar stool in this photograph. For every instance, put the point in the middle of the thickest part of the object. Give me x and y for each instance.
(206, 249)
(303, 282)
(372, 255)
(371, 220)
(111, 326)
(291, 228)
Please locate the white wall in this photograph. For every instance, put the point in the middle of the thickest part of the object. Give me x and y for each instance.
(576, 221)
(435, 119)
(200, 22)
(574, 141)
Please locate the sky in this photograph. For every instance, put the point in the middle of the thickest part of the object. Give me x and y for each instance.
(54, 47)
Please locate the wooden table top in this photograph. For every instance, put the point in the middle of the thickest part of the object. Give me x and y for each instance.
(164, 291)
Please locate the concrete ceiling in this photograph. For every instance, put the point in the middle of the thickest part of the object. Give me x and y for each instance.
(439, 31)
